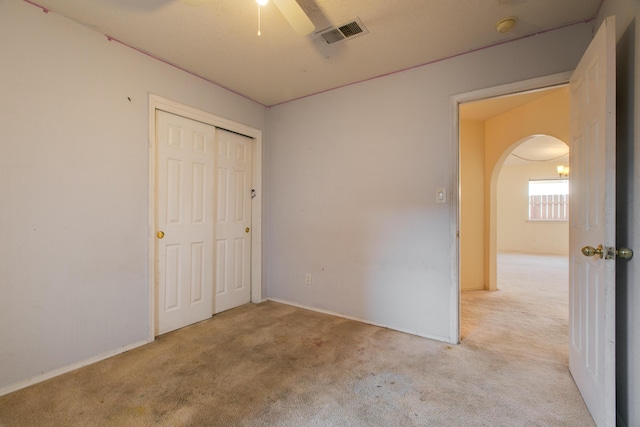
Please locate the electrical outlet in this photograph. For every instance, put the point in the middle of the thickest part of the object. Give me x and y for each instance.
(307, 278)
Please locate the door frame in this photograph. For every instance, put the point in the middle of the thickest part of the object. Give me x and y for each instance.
(157, 102)
(456, 100)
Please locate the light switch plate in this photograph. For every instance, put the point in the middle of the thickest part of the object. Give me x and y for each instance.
(441, 195)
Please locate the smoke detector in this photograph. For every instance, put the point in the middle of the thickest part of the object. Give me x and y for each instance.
(506, 24)
(350, 29)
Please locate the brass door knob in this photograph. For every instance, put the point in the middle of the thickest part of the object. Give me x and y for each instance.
(160, 234)
(246, 230)
(611, 253)
(591, 251)
(624, 253)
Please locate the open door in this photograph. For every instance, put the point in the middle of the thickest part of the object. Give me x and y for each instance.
(592, 227)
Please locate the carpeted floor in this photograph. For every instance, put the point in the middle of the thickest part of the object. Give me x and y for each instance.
(276, 365)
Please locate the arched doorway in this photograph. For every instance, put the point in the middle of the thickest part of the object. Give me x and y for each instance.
(489, 130)
(531, 198)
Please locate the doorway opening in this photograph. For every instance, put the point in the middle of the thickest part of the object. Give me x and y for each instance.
(491, 125)
(591, 304)
(532, 198)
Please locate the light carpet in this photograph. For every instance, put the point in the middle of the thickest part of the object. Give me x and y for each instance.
(275, 365)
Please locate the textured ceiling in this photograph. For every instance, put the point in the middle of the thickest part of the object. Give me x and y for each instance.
(217, 39)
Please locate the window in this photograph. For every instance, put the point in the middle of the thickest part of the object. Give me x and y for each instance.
(549, 200)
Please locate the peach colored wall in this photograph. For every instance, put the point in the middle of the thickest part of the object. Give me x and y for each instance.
(472, 209)
(546, 115)
(515, 232)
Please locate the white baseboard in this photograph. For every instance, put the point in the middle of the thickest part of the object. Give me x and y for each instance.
(51, 374)
(359, 319)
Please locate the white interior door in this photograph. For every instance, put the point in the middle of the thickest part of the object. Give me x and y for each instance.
(185, 221)
(592, 223)
(233, 226)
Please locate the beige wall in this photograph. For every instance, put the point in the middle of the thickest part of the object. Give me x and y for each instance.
(472, 209)
(547, 115)
(515, 232)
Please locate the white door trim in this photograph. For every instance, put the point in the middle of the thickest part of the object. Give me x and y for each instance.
(456, 100)
(160, 103)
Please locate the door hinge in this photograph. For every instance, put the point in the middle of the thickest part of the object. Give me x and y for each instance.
(253, 193)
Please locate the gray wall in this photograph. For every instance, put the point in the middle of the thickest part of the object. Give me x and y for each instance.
(352, 174)
(74, 179)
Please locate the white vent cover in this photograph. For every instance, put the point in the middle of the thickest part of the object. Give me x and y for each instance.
(353, 28)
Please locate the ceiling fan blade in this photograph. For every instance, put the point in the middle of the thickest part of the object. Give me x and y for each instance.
(296, 17)
(195, 3)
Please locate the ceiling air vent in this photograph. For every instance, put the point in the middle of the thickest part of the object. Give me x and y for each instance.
(347, 30)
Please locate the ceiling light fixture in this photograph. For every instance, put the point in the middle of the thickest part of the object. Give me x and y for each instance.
(505, 25)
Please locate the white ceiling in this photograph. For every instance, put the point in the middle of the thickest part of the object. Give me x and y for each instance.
(539, 149)
(217, 39)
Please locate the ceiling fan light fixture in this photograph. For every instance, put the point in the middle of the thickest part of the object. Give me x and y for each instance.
(505, 25)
